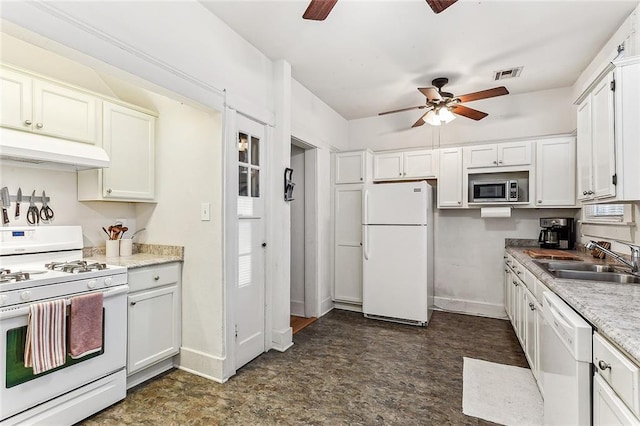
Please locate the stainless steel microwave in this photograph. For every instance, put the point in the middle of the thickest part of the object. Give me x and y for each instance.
(495, 191)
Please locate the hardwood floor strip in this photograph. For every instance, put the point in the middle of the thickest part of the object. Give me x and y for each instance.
(298, 323)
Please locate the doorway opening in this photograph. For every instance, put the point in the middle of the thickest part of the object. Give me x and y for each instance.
(303, 208)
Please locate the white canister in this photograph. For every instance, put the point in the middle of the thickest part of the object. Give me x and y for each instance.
(126, 247)
(112, 248)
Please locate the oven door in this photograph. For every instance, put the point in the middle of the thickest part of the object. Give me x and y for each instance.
(490, 191)
(21, 390)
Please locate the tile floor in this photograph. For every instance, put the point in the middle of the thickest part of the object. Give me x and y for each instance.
(343, 369)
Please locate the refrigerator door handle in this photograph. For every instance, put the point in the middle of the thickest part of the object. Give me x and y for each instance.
(365, 245)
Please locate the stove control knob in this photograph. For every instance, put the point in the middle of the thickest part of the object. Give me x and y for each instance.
(3, 299)
(25, 295)
(92, 283)
(107, 281)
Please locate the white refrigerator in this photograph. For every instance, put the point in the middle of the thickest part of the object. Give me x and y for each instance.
(397, 222)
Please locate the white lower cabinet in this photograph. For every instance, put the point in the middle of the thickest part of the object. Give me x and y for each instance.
(154, 326)
(608, 408)
(348, 244)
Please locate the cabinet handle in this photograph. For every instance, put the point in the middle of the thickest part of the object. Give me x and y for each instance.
(133, 303)
(539, 201)
(506, 270)
(584, 192)
(603, 365)
(27, 122)
(156, 278)
(361, 179)
(518, 272)
(459, 202)
(515, 283)
(532, 307)
(500, 162)
(109, 191)
(590, 192)
(39, 125)
(495, 162)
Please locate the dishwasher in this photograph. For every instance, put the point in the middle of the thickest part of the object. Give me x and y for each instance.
(565, 362)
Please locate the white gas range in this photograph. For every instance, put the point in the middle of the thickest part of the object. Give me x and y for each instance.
(45, 263)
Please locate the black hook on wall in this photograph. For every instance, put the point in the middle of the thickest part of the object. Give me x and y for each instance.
(288, 184)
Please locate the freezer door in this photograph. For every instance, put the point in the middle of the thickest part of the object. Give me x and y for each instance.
(396, 203)
(395, 272)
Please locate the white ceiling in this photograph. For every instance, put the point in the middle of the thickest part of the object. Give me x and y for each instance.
(370, 56)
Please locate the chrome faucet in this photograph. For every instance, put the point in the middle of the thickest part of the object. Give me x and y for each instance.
(634, 264)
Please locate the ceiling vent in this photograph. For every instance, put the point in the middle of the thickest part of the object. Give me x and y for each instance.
(508, 73)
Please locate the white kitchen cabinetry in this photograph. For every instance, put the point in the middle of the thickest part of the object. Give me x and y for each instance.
(154, 329)
(129, 139)
(608, 408)
(352, 167)
(608, 131)
(40, 106)
(405, 165)
(348, 244)
(498, 155)
(450, 178)
(555, 172)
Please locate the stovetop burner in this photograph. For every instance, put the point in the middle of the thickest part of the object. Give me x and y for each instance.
(76, 267)
(6, 276)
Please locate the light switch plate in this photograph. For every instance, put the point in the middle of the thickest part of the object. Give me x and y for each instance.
(205, 211)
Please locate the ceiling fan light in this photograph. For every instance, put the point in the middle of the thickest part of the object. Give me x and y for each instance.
(431, 118)
(445, 115)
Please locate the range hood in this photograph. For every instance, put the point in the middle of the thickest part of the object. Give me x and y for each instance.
(24, 147)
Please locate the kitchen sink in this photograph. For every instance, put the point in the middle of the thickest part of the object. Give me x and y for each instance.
(588, 272)
(614, 277)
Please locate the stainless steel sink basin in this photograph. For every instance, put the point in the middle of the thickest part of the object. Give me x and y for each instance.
(596, 276)
(576, 266)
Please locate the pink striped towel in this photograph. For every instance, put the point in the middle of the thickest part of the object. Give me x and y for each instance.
(46, 336)
(85, 324)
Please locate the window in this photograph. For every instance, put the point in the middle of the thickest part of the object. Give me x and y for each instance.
(604, 213)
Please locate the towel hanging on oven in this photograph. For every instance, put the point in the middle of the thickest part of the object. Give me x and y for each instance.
(85, 324)
(46, 336)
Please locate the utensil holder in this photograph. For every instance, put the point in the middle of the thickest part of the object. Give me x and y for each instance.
(112, 248)
(126, 247)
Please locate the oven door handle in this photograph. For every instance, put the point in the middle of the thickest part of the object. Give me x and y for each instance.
(24, 310)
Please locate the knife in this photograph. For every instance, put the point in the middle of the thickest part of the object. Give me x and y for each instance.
(18, 201)
(6, 203)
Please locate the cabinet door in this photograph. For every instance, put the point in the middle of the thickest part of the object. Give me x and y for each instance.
(422, 164)
(514, 153)
(507, 291)
(608, 409)
(481, 156)
(555, 172)
(584, 151)
(387, 166)
(521, 315)
(65, 113)
(15, 100)
(154, 326)
(348, 244)
(129, 138)
(530, 320)
(450, 178)
(349, 167)
(602, 121)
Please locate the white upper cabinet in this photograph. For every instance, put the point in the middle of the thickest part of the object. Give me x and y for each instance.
(498, 155)
(44, 107)
(608, 134)
(350, 167)
(450, 178)
(405, 165)
(129, 139)
(555, 172)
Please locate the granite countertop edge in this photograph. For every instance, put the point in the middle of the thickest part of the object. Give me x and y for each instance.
(609, 307)
(143, 255)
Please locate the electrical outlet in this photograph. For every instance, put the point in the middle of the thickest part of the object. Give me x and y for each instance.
(121, 221)
(205, 213)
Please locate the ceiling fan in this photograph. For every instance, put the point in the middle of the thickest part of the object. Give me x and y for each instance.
(318, 10)
(441, 104)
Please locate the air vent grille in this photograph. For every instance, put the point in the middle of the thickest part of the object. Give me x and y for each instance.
(508, 73)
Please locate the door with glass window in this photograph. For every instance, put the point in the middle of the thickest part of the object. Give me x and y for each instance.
(250, 291)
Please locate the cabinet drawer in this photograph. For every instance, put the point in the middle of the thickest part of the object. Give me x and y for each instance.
(618, 371)
(153, 276)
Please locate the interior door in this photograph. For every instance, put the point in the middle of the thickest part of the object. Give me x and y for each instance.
(250, 288)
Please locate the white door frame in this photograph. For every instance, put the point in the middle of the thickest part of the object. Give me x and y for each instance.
(311, 237)
(230, 233)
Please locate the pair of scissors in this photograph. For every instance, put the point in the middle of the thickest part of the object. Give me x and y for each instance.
(33, 215)
(46, 214)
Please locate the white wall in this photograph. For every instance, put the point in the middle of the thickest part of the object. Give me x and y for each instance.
(297, 232)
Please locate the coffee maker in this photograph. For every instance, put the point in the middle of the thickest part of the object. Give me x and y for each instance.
(557, 233)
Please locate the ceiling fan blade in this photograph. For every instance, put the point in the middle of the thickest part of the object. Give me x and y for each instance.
(439, 5)
(484, 94)
(471, 113)
(420, 121)
(318, 10)
(403, 109)
(431, 93)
